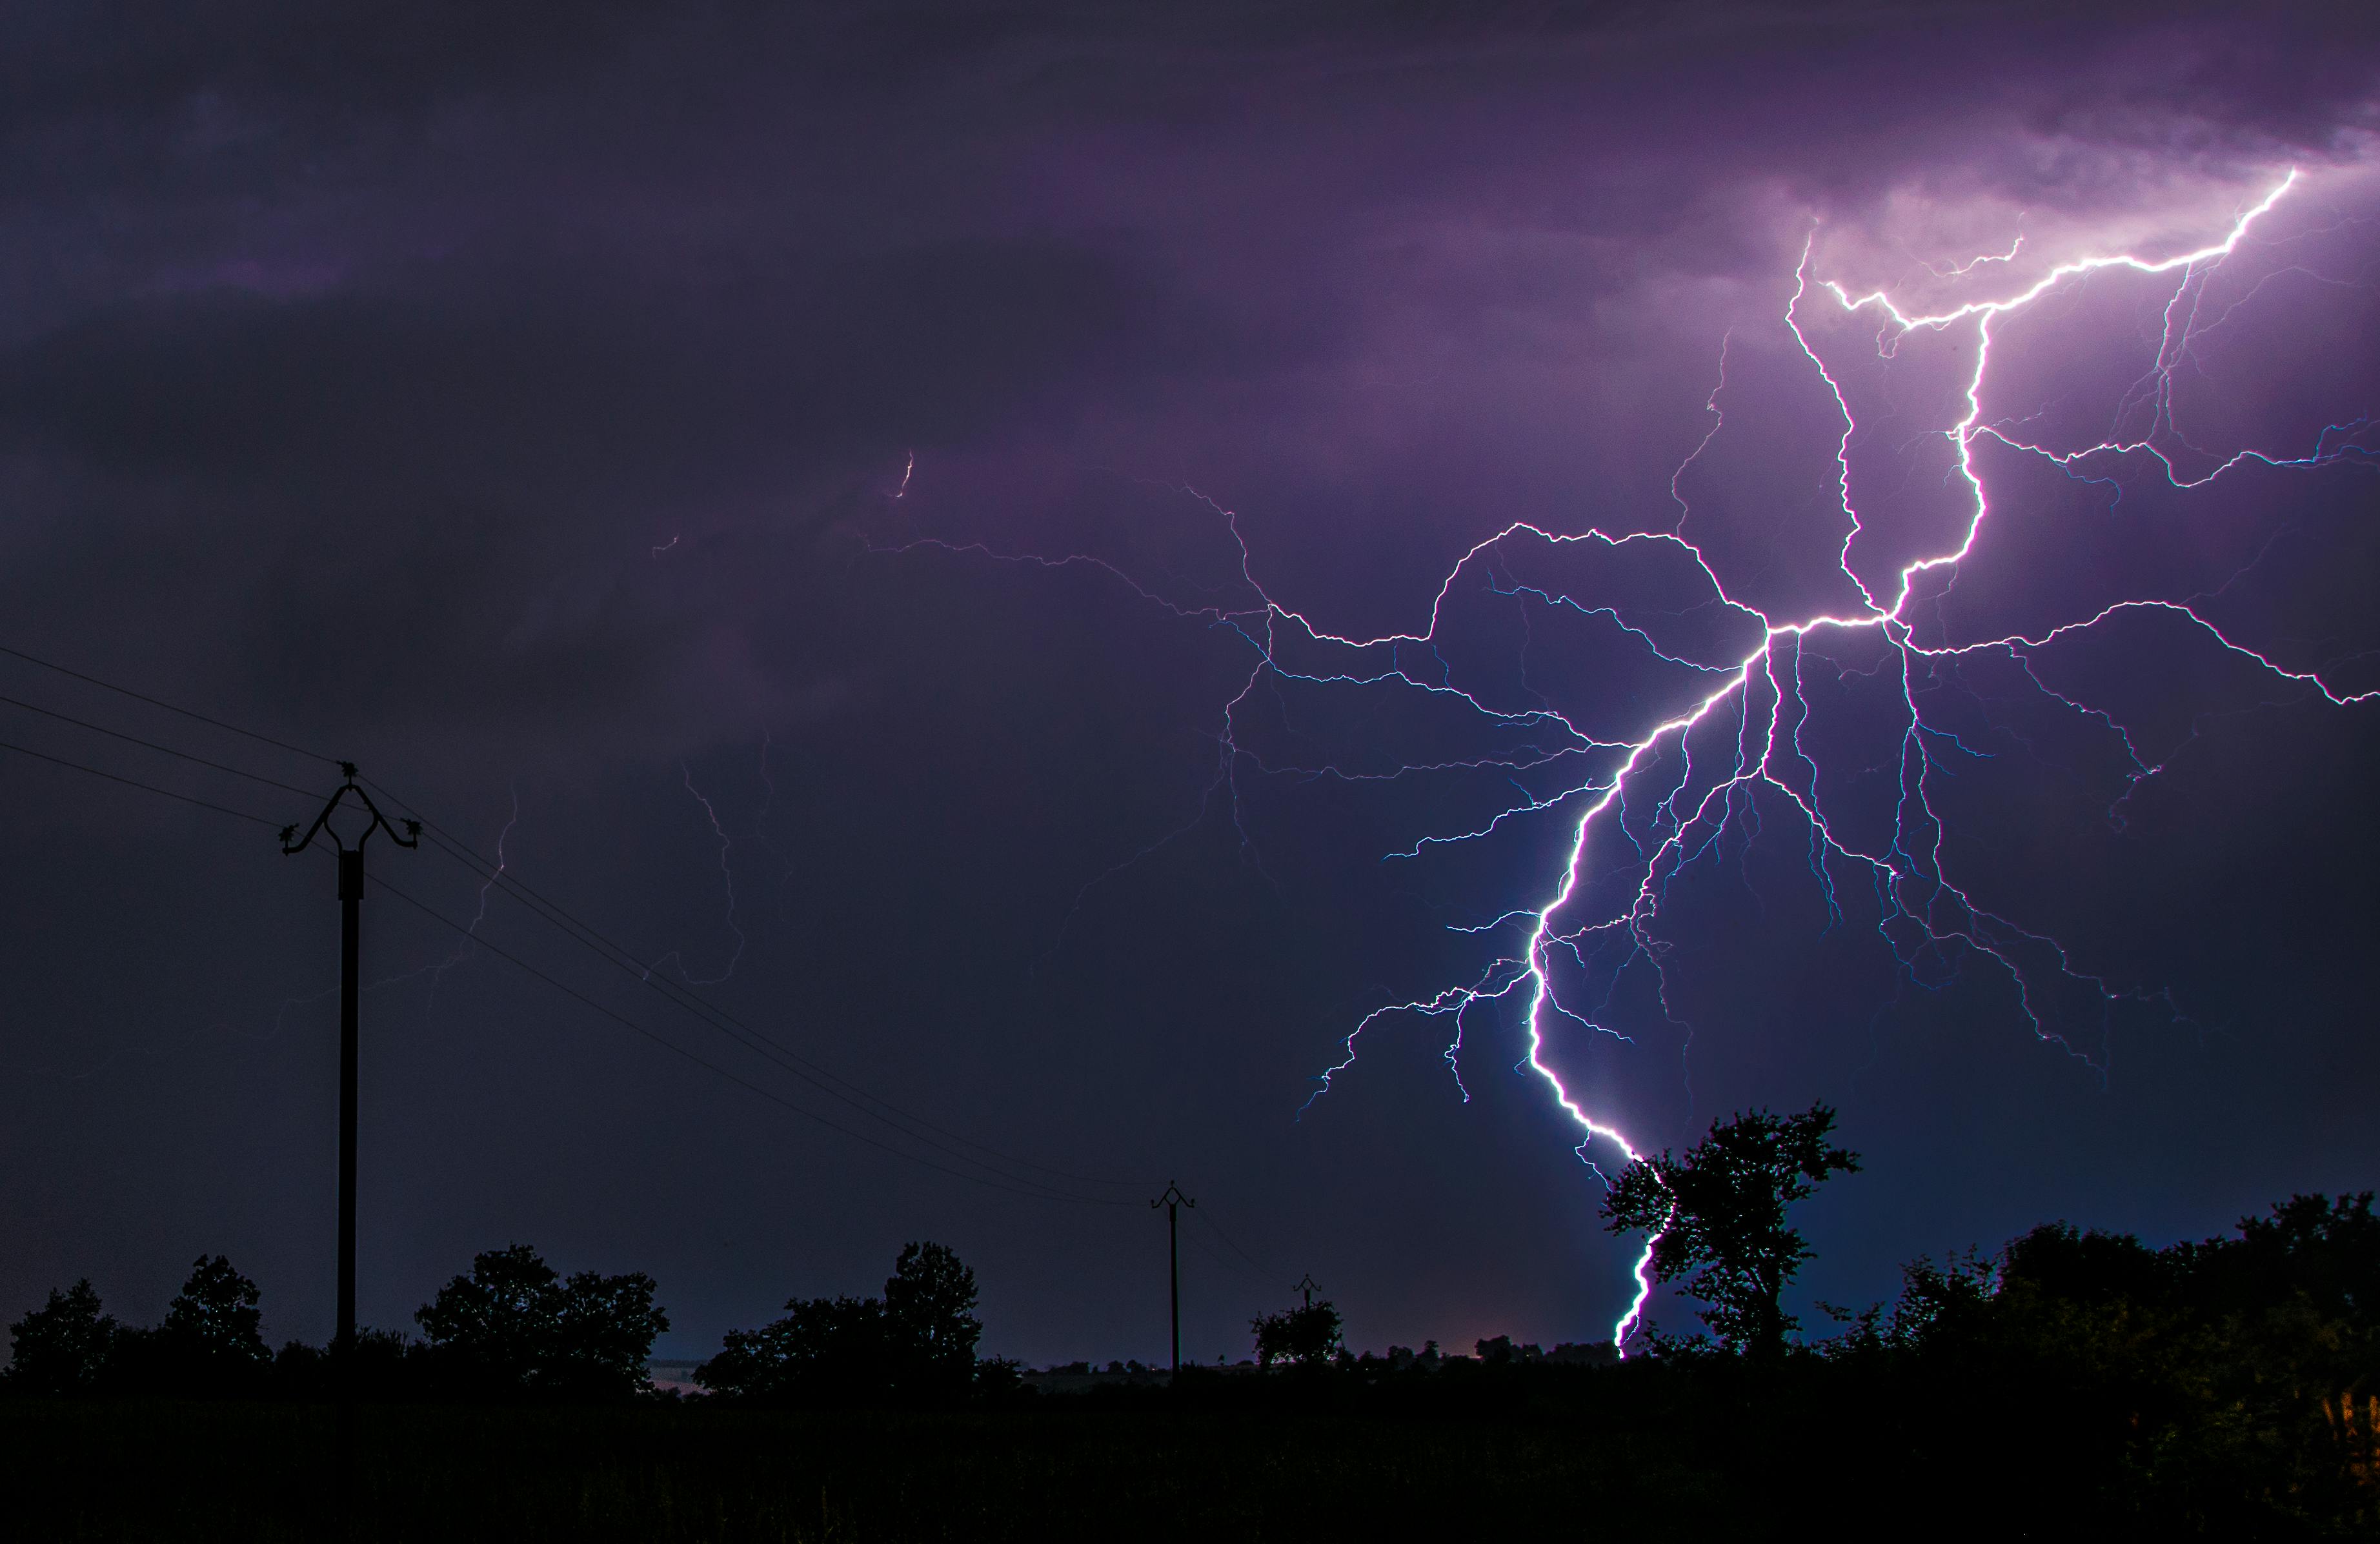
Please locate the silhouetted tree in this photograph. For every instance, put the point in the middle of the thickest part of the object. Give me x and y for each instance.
(215, 1321)
(1307, 1335)
(1718, 1213)
(1500, 1352)
(2229, 1387)
(930, 1323)
(603, 1334)
(62, 1346)
(824, 1349)
(513, 1325)
(2304, 1285)
(209, 1345)
(918, 1341)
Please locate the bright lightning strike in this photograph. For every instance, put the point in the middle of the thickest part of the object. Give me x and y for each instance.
(1651, 804)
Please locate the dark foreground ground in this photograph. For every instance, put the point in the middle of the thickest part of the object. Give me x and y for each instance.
(181, 1471)
(1623, 1454)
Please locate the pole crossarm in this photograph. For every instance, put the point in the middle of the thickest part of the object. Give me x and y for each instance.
(1309, 1286)
(292, 844)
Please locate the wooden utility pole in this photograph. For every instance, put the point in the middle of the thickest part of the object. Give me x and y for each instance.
(1171, 1201)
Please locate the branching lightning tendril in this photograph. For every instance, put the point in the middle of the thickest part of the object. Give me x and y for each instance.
(1672, 790)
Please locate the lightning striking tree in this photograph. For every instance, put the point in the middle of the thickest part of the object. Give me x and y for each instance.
(1744, 736)
(1717, 1217)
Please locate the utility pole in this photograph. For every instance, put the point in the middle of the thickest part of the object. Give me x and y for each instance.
(1173, 1200)
(351, 895)
(1309, 1286)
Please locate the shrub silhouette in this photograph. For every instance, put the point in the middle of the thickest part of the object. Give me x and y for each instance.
(1307, 1335)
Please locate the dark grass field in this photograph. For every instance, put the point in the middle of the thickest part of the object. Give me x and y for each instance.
(94, 1470)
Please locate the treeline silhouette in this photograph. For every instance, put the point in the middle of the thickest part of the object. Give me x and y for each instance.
(2228, 1384)
(511, 1329)
(2234, 1379)
(514, 1330)
(913, 1346)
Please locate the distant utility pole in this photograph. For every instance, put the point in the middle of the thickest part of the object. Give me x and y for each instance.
(1171, 1201)
(1309, 1286)
(351, 895)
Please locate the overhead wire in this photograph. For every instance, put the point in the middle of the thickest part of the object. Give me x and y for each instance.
(169, 707)
(917, 1128)
(136, 783)
(1001, 1182)
(1204, 1215)
(673, 1047)
(152, 744)
(766, 1048)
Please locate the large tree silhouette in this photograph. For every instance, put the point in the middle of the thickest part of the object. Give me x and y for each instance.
(929, 1320)
(916, 1342)
(514, 1325)
(215, 1321)
(62, 1346)
(1718, 1217)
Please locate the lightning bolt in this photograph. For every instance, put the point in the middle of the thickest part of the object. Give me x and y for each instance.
(479, 913)
(1662, 799)
(727, 876)
(437, 969)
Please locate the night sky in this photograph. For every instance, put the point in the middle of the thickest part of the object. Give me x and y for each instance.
(809, 482)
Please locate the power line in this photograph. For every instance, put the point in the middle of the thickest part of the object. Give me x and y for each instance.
(818, 1076)
(136, 783)
(1253, 1263)
(672, 1046)
(840, 1090)
(159, 702)
(1026, 1187)
(152, 744)
(756, 1040)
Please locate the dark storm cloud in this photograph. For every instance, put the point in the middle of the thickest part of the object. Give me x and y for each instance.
(513, 392)
(492, 425)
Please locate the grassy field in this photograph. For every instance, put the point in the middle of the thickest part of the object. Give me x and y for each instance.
(97, 1470)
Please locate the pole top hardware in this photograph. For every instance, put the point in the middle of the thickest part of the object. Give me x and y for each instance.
(409, 838)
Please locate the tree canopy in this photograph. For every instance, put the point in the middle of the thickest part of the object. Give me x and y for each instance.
(1717, 1217)
(215, 1318)
(514, 1325)
(916, 1343)
(1305, 1336)
(62, 1346)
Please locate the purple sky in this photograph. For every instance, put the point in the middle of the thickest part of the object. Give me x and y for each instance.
(518, 407)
